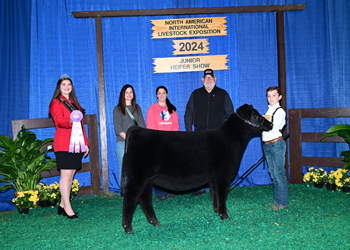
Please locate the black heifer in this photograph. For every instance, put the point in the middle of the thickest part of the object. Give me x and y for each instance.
(185, 160)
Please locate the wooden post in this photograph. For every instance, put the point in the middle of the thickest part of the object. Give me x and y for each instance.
(102, 104)
(281, 63)
(295, 144)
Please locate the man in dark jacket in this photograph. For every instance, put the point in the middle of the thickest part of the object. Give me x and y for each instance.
(207, 108)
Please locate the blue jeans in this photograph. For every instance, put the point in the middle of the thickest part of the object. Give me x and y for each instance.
(159, 192)
(120, 155)
(275, 157)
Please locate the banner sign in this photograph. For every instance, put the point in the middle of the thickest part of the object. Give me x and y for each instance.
(189, 63)
(190, 46)
(189, 27)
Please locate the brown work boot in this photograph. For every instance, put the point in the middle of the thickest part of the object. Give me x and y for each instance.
(277, 207)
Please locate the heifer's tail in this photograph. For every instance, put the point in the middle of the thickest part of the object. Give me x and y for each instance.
(124, 179)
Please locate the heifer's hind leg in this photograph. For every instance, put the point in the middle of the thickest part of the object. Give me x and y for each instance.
(213, 196)
(130, 199)
(147, 207)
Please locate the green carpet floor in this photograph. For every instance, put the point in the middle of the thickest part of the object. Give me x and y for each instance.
(315, 219)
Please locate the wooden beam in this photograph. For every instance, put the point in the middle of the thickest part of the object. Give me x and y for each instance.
(281, 68)
(102, 104)
(325, 112)
(189, 11)
(323, 161)
(85, 167)
(30, 124)
(316, 137)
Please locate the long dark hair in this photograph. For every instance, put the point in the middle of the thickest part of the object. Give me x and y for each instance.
(122, 104)
(72, 95)
(171, 107)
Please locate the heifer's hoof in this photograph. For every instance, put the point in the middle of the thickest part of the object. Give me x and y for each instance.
(155, 223)
(128, 230)
(224, 217)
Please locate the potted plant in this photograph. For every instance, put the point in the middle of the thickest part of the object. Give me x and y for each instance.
(54, 194)
(48, 194)
(44, 194)
(342, 130)
(75, 188)
(331, 181)
(315, 176)
(342, 179)
(22, 161)
(26, 200)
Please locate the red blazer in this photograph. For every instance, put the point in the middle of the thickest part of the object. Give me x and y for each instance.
(61, 117)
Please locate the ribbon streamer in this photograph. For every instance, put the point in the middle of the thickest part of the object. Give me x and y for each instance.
(76, 138)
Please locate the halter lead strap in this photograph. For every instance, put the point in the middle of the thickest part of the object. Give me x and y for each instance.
(249, 122)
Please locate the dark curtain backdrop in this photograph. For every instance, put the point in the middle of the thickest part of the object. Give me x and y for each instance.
(41, 40)
(14, 71)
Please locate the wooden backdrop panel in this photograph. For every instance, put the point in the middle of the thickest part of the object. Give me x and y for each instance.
(297, 137)
(93, 166)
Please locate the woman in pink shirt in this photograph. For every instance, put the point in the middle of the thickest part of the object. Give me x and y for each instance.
(162, 116)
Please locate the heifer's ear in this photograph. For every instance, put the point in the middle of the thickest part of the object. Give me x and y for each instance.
(244, 111)
(244, 106)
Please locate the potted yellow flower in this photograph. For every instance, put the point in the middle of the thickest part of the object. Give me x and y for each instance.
(342, 179)
(54, 194)
(315, 176)
(48, 194)
(26, 200)
(331, 181)
(75, 188)
(44, 194)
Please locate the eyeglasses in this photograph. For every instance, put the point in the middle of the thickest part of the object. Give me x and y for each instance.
(208, 78)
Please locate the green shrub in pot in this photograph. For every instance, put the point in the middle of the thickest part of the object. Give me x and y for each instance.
(22, 160)
(342, 130)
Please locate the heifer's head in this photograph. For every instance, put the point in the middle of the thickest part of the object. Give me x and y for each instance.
(251, 117)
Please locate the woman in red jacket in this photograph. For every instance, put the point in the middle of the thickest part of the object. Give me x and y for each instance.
(63, 102)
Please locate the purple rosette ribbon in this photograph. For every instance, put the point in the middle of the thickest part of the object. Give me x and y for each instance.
(76, 138)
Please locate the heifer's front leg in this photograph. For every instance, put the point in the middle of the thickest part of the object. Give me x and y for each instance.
(222, 191)
(147, 207)
(130, 200)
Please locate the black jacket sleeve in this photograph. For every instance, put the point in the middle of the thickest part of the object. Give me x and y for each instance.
(189, 114)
